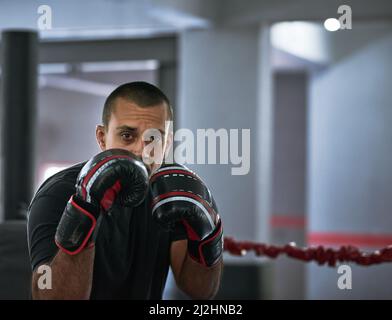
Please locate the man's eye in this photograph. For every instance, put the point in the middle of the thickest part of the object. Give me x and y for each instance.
(126, 136)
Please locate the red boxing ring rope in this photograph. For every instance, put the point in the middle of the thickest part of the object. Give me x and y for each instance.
(319, 254)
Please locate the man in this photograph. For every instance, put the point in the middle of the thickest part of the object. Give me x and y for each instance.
(103, 237)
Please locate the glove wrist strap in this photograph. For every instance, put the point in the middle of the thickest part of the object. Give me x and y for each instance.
(209, 250)
(78, 226)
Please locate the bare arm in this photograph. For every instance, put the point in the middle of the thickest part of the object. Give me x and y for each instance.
(196, 280)
(71, 277)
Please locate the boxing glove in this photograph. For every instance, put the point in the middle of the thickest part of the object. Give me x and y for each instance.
(180, 197)
(114, 176)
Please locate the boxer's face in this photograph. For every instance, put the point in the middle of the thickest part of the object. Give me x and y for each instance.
(129, 123)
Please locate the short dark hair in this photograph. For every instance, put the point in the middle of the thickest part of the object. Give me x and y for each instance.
(142, 93)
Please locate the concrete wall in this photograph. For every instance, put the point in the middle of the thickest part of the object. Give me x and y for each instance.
(224, 83)
(350, 156)
(218, 89)
(289, 180)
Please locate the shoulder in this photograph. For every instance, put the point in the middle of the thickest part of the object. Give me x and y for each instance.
(48, 203)
(63, 179)
(60, 185)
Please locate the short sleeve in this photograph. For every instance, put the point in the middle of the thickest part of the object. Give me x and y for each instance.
(44, 215)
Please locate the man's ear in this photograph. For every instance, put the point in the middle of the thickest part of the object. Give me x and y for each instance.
(100, 134)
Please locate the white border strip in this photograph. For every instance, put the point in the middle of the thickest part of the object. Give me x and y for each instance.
(172, 199)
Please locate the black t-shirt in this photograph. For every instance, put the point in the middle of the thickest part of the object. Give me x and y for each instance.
(132, 253)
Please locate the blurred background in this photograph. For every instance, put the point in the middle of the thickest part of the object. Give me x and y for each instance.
(318, 104)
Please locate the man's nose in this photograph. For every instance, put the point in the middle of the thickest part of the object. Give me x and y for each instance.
(138, 147)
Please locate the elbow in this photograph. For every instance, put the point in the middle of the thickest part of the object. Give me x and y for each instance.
(199, 282)
(200, 294)
(51, 294)
(58, 296)
(199, 291)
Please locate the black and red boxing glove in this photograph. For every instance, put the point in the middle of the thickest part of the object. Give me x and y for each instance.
(114, 176)
(180, 197)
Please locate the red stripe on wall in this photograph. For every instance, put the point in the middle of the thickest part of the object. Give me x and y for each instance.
(354, 239)
(331, 238)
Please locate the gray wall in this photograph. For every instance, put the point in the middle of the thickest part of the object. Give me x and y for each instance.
(350, 156)
(224, 82)
(218, 89)
(289, 180)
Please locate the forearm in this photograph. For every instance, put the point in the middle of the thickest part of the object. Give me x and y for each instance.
(71, 277)
(198, 281)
